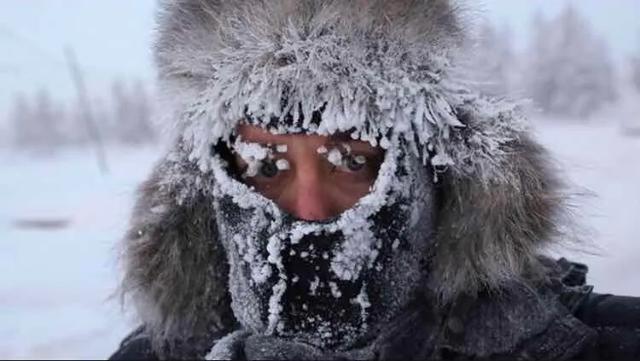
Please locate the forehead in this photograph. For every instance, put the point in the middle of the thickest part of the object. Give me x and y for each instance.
(256, 134)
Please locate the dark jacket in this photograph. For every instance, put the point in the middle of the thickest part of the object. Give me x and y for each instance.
(603, 327)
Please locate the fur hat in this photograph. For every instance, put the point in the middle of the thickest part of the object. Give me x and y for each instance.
(370, 65)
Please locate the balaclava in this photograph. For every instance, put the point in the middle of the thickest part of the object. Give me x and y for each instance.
(206, 254)
(326, 282)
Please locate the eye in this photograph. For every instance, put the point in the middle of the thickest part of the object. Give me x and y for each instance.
(268, 169)
(355, 163)
(348, 162)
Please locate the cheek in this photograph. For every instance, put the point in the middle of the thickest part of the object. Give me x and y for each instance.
(347, 192)
(336, 195)
(273, 188)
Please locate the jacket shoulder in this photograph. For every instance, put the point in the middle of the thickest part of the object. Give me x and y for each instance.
(614, 318)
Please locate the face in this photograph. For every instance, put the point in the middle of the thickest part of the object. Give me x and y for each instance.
(312, 177)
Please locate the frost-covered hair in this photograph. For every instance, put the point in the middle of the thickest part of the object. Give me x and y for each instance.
(368, 66)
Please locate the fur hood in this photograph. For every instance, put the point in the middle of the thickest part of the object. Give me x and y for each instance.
(358, 61)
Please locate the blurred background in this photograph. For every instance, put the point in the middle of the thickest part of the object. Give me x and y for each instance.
(77, 135)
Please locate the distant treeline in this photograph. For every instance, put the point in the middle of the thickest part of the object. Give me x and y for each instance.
(39, 123)
(566, 69)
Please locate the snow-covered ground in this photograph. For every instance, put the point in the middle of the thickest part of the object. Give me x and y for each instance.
(55, 285)
(603, 159)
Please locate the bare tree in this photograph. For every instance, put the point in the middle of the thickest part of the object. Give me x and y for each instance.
(37, 125)
(132, 113)
(143, 111)
(22, 123)
(569, 71)
(495, 60)
(635, 66)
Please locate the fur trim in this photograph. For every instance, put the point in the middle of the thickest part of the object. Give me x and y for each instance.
(175, 269)
(499, 199)
(368, 65)
(490, 236)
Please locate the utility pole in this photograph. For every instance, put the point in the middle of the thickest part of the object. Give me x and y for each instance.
(85, 108)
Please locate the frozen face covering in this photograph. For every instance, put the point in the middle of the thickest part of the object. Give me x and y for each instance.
(333, 282)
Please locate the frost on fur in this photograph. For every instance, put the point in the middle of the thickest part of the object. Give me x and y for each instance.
(380, 70)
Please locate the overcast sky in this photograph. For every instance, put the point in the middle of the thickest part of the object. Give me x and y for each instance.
(112, 38)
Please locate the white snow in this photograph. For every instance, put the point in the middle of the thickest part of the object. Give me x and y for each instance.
(56, 285)
(360, 159)
(335, 157)
(313, 286)
(601, 159)
(275, 306)
(339, 158)
(260, 270)
(253, 154)
(335, 290)
(282, 164)
(362, 300)
(281, 148)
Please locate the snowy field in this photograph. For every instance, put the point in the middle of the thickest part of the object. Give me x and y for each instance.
(605, 162)
(55, 284)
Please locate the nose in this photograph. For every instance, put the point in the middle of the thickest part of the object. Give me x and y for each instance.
(309, 197)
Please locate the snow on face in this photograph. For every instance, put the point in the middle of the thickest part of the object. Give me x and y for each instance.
(335, 157)
(252, 154)
(340, 155)
(329, 186)
(281, 148)
(261, 241)
(322, 150)
(282, 164)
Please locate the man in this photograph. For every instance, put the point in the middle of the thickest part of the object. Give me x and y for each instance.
(334, 192)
